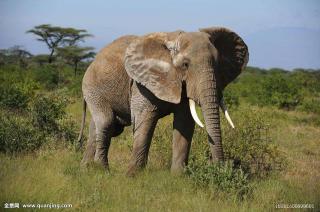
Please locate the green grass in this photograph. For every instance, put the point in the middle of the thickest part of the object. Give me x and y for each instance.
(53, 174)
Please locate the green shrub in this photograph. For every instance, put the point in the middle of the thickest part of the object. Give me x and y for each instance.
(44, 121)
(17, 88)
(277, 89)
(67, 130)
(17, 134)
(13, 97)
(46, 112)
(231, 96)
(223, 177)
(47, 76)
(311, 105)
(250, 145)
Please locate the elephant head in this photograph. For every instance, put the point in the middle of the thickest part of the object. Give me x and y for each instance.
(206, 62)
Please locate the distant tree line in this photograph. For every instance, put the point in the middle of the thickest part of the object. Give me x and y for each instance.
(63, 45)
(298, 89)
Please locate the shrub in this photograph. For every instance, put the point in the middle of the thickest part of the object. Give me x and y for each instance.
(223, 177)
(44, 121)
(48, 114)
(13, 97)
(310, 105)
(249, 145)
(231, 96)
(47, 76)
(279, 90)
(17, 134)
(46, 111)
(67, 130)
(17, 88)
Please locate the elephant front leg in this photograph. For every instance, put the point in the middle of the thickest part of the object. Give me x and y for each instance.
(183, 128)
(143, 128)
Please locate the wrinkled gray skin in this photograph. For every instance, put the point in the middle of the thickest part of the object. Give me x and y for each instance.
(138, 80)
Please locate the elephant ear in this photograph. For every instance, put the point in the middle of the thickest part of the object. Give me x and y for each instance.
(233, 53)
(148, 62)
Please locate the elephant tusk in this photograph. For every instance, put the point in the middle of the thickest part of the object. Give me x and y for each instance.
(194, 114)
(225, 110)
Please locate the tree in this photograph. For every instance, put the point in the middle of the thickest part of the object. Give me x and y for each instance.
(73, 55)
(75, 36)
(55, 36)
(15, 55)
(41, 59)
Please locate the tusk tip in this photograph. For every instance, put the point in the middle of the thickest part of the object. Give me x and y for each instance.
(193, 111)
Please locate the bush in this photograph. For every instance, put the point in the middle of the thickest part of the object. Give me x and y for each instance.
(17, 134)
(49, 115)
(311, 105)
(46, 112)
(231, 96)
(17, 88)
(44, 121)
(47, 76)
(250, 145)
(277, 89)
(13, 97)
(67, 130)
(223, 177)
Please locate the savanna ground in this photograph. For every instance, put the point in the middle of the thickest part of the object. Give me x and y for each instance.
(274, 151)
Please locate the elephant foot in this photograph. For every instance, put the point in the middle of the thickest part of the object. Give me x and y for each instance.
(84, 164)
(101, 160)
(133, 170)
(177, 170)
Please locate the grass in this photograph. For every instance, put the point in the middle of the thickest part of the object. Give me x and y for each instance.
(53, 174)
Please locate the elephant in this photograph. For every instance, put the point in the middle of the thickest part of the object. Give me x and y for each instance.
(139, 79)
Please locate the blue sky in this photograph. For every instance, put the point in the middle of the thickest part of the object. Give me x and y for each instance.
(279, 33)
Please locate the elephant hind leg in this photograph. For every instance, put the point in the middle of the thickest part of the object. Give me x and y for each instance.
(118, 129)
(104, 128)
(91, 146)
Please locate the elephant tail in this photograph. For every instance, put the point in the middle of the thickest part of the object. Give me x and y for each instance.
(84, 109)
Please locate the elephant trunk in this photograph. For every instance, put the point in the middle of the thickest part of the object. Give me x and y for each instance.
(210, 110)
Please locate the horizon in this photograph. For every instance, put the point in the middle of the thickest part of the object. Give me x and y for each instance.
(288, 31)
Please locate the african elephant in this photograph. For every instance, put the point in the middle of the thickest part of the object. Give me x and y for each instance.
(140, 79)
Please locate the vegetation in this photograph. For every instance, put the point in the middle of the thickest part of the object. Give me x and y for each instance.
(73, 55)
(55, 36)
(272, 156)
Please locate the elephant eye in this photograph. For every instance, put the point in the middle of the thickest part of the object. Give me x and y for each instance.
(185, 64)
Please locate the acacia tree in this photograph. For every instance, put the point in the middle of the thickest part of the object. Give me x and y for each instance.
(73, 55)
(55, 36)
(75, 36)
(15, 55)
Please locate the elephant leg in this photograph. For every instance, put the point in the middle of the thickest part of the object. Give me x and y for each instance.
(91, 145)
(104, 124)
(183, 128)
(143, 129)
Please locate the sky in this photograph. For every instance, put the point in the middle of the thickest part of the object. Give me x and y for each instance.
(279, 33)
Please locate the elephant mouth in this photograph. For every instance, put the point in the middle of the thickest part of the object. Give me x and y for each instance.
(192, 106)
